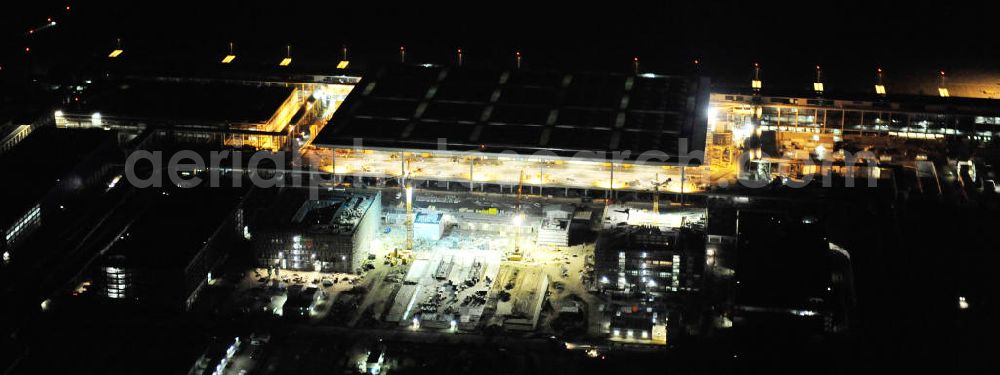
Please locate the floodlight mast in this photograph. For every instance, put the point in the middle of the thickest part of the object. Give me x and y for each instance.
(409, 218)
(518, 218)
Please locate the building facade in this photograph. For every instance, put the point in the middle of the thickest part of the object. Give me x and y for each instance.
(644, 260)
(333, 233)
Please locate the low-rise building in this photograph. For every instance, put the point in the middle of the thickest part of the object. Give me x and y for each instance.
(301, 301)
(633, 260)
(161, 260)
(428, 225)
(556, 220)
(331, 233)
(47, 172)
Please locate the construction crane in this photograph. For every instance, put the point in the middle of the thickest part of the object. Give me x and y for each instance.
(409, 218)
(518, 219)
(656, 191)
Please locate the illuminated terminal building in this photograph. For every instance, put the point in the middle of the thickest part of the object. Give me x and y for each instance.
(258, 113)
(795, 128)
(493, 129)
(498, 128)
(333, 233)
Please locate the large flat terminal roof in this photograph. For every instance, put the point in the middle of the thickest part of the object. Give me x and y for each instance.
(188, 102)
(413, 106)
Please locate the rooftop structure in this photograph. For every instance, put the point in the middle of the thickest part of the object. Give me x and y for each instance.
(490, 126)
(428, 225)
(257, 114)
(554, 229)
(186, 102)
(411, 107)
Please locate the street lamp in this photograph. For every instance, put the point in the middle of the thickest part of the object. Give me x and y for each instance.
(756, 84)
(879, 85)
(117, 51)
(517, 221)
(288, 56)
(231, 56)
(409, 218)
(343, 59)
(942, 88)
(818, 85)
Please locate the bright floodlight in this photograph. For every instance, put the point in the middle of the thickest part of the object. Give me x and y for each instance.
(818, 86)
(285, 61)
(880, 89)
(115, 53)
(756, 84)
(228, 59)
(58, 113)
(518, 219)
(943, 92)
(962, 303)
(343, 64)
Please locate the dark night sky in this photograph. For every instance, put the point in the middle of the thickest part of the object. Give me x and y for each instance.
(848, 38)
